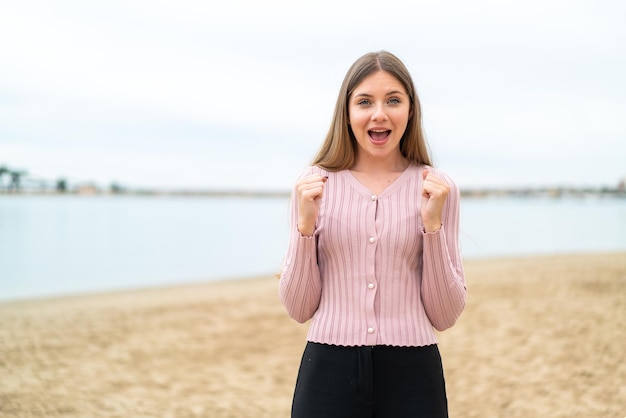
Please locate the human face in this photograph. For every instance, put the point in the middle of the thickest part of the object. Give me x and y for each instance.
(379, 110)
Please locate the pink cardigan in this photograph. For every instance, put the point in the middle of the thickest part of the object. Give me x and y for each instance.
(370, 275)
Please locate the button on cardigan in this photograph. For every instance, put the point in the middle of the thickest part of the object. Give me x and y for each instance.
(370, 275)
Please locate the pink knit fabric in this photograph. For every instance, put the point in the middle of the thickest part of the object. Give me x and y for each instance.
(370, 275)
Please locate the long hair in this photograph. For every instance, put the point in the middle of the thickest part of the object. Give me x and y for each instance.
(338, 152)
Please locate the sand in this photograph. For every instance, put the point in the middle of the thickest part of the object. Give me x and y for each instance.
(540, 337)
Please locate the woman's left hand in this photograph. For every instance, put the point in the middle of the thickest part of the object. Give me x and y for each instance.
(434, 194)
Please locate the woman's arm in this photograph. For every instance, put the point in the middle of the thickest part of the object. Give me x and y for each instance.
(443, 281)
(300, 283)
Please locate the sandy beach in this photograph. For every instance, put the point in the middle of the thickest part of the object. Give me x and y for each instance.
(540, 337)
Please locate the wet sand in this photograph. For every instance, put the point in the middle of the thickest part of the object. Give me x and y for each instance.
(540, 337)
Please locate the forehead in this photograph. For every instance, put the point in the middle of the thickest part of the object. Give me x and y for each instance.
(379, 82)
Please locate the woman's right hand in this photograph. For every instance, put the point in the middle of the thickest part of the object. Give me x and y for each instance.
(310, 190)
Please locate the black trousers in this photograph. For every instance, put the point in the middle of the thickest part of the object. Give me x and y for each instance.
(370, 382)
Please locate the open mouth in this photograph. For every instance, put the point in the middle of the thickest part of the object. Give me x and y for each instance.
(379, 135)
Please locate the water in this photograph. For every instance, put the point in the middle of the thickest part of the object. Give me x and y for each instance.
(56, 245)
(66, 244)
(537, 226)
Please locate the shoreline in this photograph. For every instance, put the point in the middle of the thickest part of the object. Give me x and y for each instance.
(539, 337)
(202, 284)
(550, 192)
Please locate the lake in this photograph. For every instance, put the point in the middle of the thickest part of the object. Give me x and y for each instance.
(57, 245)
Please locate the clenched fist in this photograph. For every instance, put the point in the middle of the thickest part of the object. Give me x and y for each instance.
(434, 194)
(309, 190)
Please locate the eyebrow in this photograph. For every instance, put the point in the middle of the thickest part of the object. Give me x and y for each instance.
(387, 94)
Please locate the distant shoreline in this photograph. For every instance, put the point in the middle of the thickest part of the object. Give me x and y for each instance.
(540, 192)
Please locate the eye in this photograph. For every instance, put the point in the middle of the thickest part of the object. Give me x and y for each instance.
(394, 100)
(363, 102)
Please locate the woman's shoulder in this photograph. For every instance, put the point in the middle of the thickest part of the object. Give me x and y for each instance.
(442, 174)
(314, 169)
(437, 172)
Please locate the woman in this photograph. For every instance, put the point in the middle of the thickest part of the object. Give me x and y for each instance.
(374, 256)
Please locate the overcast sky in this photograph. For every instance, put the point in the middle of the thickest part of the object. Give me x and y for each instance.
(239, 93)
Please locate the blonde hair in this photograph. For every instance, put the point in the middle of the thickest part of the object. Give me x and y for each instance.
(338, 152)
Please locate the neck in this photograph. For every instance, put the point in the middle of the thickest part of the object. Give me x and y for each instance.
(394, 163)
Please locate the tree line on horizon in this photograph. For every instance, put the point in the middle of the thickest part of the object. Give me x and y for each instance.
(16, 176)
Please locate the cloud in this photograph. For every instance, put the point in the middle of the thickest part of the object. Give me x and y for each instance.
(251, 85)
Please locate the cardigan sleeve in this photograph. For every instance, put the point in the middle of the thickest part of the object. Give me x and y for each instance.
(300, 285)
(444, 289)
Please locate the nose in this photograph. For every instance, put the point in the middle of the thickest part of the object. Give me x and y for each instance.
(378, 113)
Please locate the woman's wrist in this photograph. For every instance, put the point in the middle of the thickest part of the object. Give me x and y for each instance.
(432, 226)
(306, 229)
